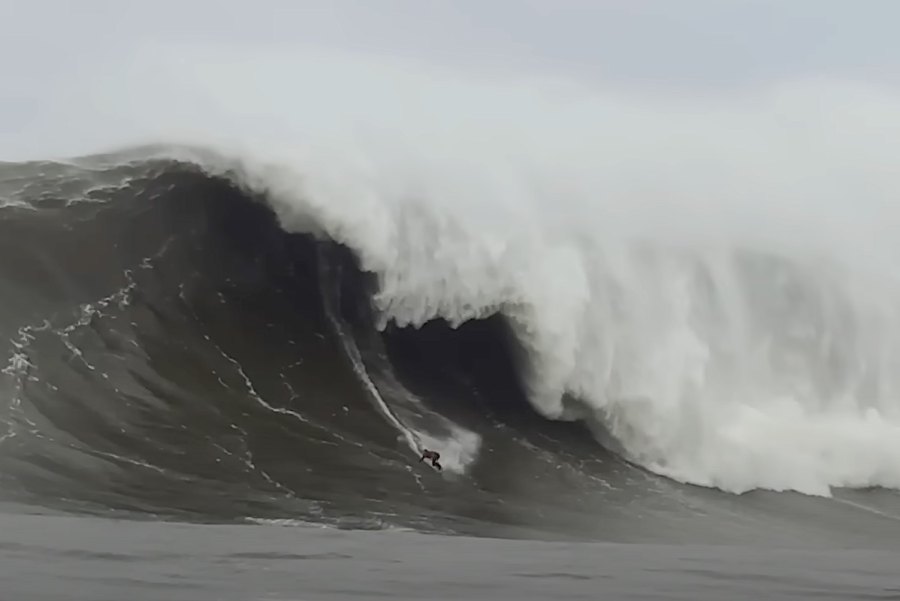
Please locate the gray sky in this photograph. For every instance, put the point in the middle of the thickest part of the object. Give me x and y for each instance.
(685, 42)
(665, 46)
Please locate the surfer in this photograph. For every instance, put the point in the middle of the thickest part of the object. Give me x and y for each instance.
(433, 455)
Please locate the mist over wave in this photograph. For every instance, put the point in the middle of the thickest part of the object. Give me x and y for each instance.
(709, 283)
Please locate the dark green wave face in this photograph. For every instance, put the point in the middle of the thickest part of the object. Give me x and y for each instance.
(169, 352)
(174, 353)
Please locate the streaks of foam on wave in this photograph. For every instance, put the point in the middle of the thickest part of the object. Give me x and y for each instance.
(19, 363)
(16, 370)
(258, 399)
(250, 388)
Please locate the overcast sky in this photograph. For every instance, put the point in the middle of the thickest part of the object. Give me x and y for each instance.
(682, 41)
(660, 45)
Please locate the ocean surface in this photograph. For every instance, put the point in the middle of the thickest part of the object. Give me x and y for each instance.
(211, 393)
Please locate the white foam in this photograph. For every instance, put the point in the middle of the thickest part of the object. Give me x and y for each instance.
(713, 277)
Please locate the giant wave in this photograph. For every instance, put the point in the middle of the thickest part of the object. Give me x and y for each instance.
(708, 287)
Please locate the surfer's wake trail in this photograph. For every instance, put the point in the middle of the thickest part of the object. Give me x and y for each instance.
(327, 278)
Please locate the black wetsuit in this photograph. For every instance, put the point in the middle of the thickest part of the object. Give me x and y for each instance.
(434, 456)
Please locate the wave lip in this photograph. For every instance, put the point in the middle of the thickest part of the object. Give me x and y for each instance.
(733, 365)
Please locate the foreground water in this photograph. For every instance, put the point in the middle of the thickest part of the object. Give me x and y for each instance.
(55, 557)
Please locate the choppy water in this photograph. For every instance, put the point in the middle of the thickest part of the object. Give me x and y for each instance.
(50, 558)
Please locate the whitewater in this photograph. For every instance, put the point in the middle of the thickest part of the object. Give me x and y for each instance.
(709, 282)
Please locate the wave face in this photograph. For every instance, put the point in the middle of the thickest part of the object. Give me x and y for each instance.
(173, 352)
(279, 327)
